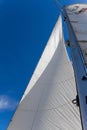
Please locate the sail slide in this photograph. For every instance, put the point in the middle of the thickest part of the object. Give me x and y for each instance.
(47, 104)
(76, 19)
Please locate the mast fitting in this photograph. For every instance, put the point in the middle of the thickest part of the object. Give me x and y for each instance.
(84, 77)
(76, 101)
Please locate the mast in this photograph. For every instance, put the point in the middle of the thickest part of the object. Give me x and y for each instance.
(74, 22)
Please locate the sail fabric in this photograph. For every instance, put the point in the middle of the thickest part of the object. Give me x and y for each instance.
(45, 58)
(77, 14)
(48, 104)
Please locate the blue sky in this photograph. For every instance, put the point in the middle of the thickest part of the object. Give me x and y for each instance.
(25, 27)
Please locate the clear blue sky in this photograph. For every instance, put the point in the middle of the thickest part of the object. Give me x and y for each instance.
(25, 27)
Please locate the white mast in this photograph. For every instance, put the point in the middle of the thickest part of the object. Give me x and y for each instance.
(76, 18)
(47, 104)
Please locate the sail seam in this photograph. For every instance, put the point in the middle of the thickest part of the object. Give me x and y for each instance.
(61, 106)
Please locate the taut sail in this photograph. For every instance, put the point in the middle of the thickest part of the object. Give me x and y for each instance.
(47, 104)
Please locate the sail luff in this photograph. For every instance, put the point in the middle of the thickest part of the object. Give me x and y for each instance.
(45, 58)
(78, 64)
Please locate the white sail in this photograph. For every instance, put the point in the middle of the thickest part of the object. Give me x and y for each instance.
(47, 104)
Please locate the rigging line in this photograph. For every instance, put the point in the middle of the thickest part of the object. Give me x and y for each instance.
(59, 2)
(67, 2)
(59, 7)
